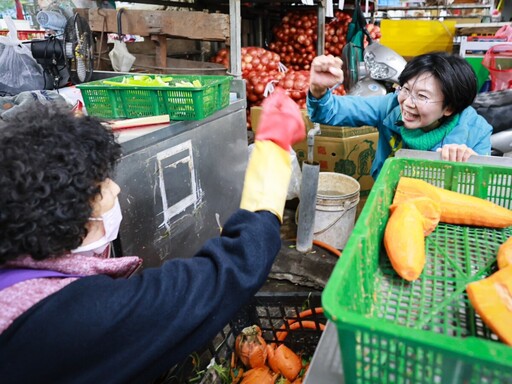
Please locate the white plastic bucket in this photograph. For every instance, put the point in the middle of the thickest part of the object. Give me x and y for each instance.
(336, 206)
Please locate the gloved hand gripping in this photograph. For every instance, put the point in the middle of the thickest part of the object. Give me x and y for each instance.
(269, 169)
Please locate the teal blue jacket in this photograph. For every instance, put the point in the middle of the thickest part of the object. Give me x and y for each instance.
(383, 112)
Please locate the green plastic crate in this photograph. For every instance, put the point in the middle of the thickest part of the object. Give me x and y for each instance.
(180, 103)
(393, 331)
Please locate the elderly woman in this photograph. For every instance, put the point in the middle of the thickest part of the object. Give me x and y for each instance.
(68, 313)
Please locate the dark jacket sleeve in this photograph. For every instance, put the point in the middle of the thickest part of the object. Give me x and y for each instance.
(100, 329)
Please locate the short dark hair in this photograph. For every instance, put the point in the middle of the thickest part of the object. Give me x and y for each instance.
(456, 77)
(51, 164)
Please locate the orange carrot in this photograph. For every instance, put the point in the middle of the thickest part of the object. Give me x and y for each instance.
(327, 247)
(235, 372)
(429, 209)
(492, 299)
(236, 375)
(284, 361)
(301, 315)
(404, 241)
(456, 208)
(260, 375)
(505, 254)
(250, 347)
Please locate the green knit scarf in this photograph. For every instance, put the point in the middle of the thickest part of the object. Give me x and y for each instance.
(419, 139)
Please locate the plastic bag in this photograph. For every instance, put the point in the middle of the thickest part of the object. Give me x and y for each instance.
(296, 179)
(296, 176)
(122, 60)
(12, 106)
(495, 107)
(505, 32)
(20, 71)
(498, 60)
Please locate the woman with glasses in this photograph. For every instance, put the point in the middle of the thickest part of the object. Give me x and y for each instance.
(431, 109)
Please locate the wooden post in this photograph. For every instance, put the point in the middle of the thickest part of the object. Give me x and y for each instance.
(235, 41)
(160, 50)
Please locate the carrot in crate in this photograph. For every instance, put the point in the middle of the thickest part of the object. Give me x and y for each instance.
(429, 209)
(307, 324)
(260, 375)
(505, 254)
(284, 361)
(492, 299)
(456, 208)
(405, 242)
(402, 240)
(251, 348)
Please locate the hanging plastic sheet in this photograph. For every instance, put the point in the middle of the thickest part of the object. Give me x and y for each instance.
(20, 71)
(357, 30)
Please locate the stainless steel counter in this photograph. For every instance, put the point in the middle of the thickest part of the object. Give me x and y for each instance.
(325, 367)
(177, 179)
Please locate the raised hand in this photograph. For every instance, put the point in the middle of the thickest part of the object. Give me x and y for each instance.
(325, 73)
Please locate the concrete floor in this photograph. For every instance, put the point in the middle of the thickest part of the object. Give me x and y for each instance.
(295, 271)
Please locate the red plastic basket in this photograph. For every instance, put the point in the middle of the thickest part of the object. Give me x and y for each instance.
(26, 35)
(498, 60)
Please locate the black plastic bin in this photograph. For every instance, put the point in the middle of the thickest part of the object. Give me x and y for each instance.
(270, 311)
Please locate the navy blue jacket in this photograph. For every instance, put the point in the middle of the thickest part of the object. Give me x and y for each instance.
(103, 330)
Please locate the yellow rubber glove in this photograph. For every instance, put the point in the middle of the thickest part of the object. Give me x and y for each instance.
(269, 170)
(266, 179)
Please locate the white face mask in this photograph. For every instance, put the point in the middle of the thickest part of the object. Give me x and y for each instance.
(111, 222)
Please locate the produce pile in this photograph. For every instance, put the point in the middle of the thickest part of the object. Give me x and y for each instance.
(288, 59)
(280, 356)
(263, 72)
(417, 209)
(153, 81)
(255, 361)
(296, 84)
(295, 39)
(259, 67)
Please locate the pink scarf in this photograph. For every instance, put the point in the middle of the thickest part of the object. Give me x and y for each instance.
(18, 298)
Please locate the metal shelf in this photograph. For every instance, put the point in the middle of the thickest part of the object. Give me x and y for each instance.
(446, 7)
(436, 7)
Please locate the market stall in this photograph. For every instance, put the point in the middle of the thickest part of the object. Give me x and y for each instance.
(345, 310)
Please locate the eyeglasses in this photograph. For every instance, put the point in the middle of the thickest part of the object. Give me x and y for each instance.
(416, 99)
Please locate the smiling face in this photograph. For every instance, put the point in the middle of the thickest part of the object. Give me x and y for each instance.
(421, 102)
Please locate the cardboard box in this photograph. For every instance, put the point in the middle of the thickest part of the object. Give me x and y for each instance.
(256, 114)
(347, 150)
